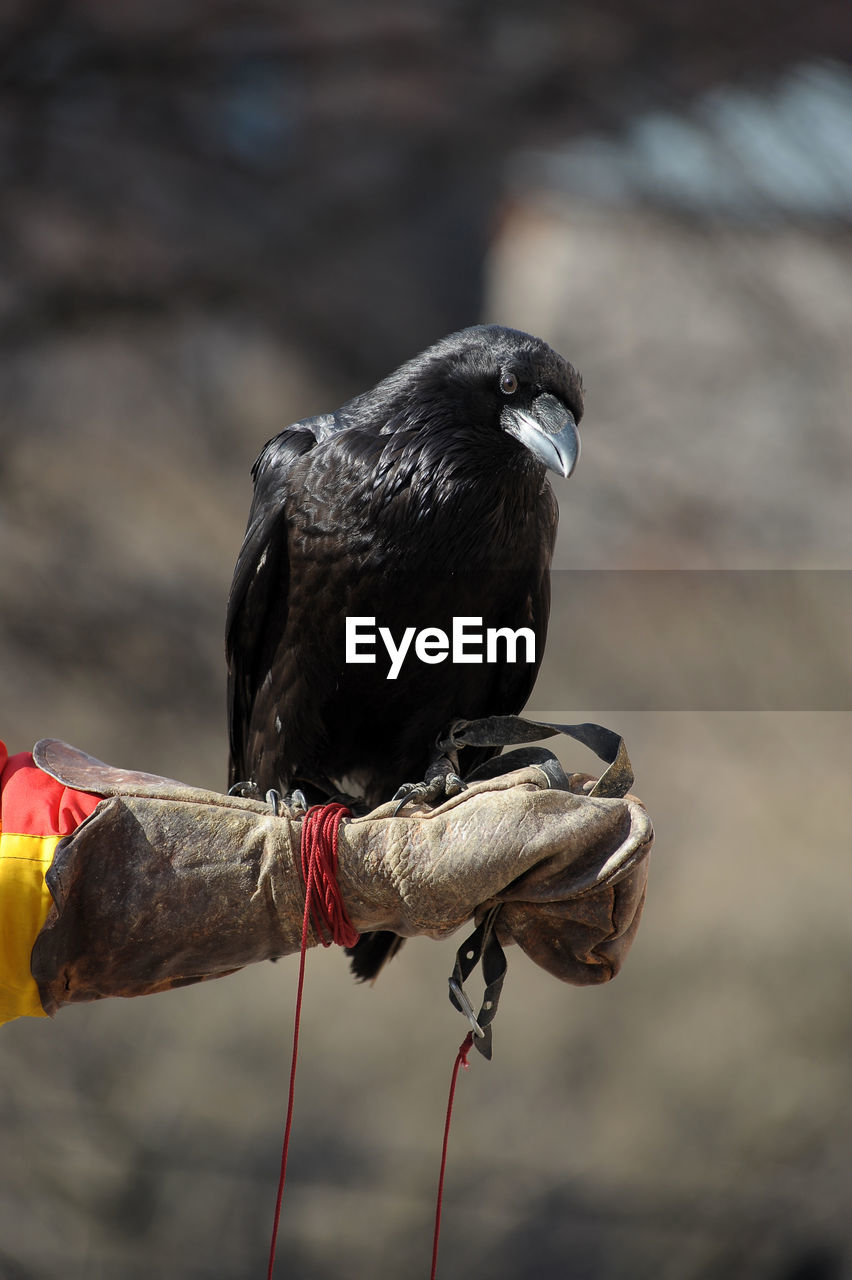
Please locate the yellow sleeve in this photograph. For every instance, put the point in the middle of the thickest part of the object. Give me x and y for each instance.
(24, 903)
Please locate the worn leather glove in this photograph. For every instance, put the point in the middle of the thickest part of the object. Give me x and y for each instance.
(166, 884)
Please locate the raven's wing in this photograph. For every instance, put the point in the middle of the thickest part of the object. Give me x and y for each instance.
(514, 682)
(258, 599)
(527, 605)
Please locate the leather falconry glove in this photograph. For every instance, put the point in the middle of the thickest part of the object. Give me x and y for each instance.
(166, 884)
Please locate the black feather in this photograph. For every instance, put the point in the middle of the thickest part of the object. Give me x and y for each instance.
(410, 504)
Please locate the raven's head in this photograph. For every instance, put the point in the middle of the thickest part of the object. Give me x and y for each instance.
(547, 428)
(541, 397)
(491, 383)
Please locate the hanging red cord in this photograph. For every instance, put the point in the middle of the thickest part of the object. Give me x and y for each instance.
(325, 907)
(461, 1061)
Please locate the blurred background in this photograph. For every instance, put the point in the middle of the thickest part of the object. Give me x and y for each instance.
(217, 218)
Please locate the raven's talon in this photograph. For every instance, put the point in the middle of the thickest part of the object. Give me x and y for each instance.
(246, 790)
(441, 786)
(273, 799)
(294, 803)
(408, 791)
(297, 803)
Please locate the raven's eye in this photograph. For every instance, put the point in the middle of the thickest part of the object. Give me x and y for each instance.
(508, 384)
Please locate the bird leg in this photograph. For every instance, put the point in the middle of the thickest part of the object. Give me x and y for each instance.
(441, 781)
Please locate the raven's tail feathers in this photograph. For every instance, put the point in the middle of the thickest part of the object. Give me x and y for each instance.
(371, 953)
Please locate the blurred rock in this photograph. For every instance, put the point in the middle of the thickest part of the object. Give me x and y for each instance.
(713, 343)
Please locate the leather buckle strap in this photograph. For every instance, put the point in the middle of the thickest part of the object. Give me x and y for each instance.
(504, 731)
(481, 945)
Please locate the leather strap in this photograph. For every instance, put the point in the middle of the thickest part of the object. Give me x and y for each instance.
(481, 945)
(503, 731)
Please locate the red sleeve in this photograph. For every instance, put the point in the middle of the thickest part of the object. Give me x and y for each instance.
(36, 811)
(34, 804)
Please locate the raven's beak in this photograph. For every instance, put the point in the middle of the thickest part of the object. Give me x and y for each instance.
(549, 432)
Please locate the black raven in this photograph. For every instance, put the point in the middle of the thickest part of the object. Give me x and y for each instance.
(419, 502)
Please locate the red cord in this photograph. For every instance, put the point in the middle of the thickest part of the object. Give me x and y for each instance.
(461, 1061)
(325, 907)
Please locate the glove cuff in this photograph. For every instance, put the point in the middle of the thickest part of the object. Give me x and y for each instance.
(152, 892)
